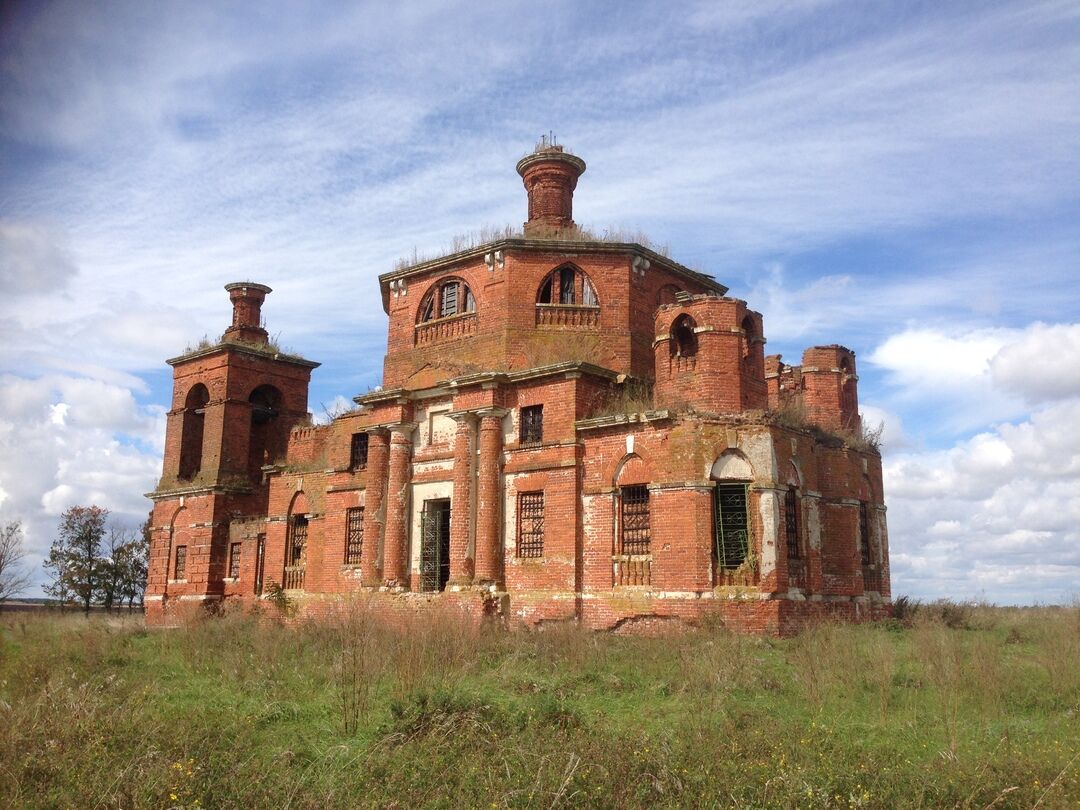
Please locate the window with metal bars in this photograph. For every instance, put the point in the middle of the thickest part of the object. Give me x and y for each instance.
(530, 514)
(532, 424)
(180, 565)
(354, 535)
(297, 553)
(234, 560)
(358, 451)
(791, 523)
(864, 534)
(635, 527)
(731, 525)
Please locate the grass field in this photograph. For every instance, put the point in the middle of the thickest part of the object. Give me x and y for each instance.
(964, 706)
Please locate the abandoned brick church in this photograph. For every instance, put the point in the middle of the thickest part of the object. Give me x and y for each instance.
(569, 428)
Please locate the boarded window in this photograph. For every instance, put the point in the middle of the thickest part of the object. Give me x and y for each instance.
(864, 534)
(449, 298)
(532, 424)
(354, 535)
(234, 560)
(530, 513)
(791, 523)
(358, 451)
(731, 525)
(180, 565)
(636, 529)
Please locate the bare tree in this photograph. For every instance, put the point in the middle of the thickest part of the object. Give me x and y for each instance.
(14, 579)
(122, 568)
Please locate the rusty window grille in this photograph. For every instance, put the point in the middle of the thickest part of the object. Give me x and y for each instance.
(532, 424)
(731, 525)
(354, 535)
(298, 541)
(296, 553)
(180, 566)
(864, 534)
(234, 560)
(635, 520)
(358, 451)
(435, 545)
(530, 524)
(791, 524)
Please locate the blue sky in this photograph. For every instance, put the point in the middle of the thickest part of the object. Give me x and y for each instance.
(901, 178)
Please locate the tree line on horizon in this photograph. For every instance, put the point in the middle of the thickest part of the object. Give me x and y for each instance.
(92, 560)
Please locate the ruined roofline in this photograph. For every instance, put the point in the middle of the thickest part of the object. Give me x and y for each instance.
(559, 245)
(479, 378)
(262, 352)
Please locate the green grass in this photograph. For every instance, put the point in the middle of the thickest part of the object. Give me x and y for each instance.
(242, 712)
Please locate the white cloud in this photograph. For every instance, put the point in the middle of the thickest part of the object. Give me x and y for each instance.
(61, 444)
(995, 516)
(1043, 366)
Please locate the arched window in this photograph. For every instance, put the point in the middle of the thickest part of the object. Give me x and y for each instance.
(191, 432)
(731, 512)
(683, 337)
(446, 299)
(567, 286)
(791, 515)
(265, 409)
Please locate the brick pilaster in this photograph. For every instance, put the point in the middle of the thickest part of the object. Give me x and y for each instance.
(489, 552)
(374, 507)
(397, 506)
(461, 518)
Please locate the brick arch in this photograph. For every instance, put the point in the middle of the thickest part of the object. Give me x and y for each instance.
(299, 504)
(629, 470)
(794, 475)
(567, 285)
(732, 465)
(435, 300)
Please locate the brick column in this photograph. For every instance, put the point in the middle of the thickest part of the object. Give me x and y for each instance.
(489, 551)
(397, 505)
(374, 507)
(461, 518)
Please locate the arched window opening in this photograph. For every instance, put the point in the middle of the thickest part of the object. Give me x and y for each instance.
(446, 299)
(792, 524)
(191, 433)
(567, 286)
(265, 409)
(683, 337)
(749, 333)
(296, 553)
(865, 552)
(732, 557)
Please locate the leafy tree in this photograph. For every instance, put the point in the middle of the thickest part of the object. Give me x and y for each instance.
(13, 578)
(75, 558)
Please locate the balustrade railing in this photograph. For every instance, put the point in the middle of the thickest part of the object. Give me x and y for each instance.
(567, 316)
(294, 577)
(632, 569)
(446, 328)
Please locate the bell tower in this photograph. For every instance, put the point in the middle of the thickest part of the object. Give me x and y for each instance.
(234, 405)
(550, 175)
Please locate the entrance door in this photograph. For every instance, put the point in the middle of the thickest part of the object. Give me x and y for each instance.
(435, 545)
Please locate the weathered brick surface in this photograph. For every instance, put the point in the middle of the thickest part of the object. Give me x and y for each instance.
(447, 425)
